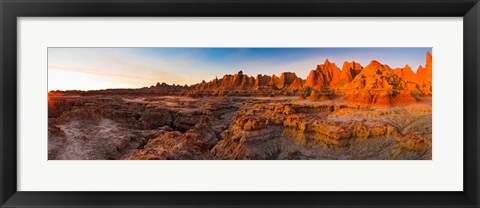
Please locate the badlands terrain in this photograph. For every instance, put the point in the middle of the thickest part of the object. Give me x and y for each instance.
(348, 113)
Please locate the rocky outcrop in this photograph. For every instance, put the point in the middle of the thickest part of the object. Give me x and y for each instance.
(191, 145)
(297, 84)
(336, 116)
(273, 81)
(416, 140)
(406, 74)
(335, 132)
(349, 71)
(424, 76)
(318, 96)
(285, 80)
(101, 127)
(289, 131)
(379, 85)
(375, 85)
(428, 68)
(326, 75)
(262, 82)
(238, 81)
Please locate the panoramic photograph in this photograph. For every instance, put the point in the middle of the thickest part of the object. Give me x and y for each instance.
(239, 103)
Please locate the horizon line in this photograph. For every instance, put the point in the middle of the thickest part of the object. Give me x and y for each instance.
(253, 76)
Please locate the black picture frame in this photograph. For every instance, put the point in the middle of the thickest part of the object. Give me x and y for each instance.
(11, 9)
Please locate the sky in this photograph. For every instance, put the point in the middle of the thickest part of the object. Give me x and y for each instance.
(103, 68)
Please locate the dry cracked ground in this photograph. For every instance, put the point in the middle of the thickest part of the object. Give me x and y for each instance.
(234, 128)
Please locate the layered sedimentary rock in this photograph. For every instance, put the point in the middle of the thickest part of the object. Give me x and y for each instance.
(280, 131)
(169, 127)
(297, 84)
(376, 84)
(285, 80)
(110, 127)
(332, 114)
(379, 85)
(406, 74)
(262, 82)
(424, 76)
(326, 75)
(349, 72)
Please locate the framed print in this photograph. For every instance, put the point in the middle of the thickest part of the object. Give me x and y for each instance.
(248, 104)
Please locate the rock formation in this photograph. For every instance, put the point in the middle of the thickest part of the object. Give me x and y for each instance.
(285, 80)
(424, 76)
(140, 127)
(379, 85)
(326, 75)
(376, 84)
(337, 114)
(406, 74)
(349, 72)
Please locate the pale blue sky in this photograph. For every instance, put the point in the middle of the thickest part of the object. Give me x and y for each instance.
(100, 68)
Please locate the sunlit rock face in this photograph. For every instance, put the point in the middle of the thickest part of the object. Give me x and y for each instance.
(375, 85)
(326, 75)
(356, 112)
